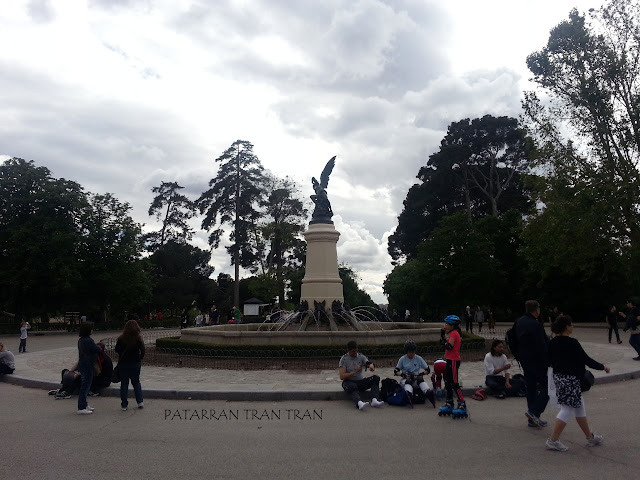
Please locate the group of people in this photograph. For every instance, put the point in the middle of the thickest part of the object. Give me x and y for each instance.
(478, 317)
(411, 367)
(130, 349)
(205, 318)
(560, 360)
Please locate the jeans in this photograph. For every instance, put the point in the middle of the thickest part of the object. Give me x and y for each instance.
(23, 345)
(634, 341)
(535, 376)
(497, 384)
(130, 371)
(86, 372)
(613, 327)
(354, 387)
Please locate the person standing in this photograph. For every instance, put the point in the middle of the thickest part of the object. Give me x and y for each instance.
(478, 316)
(568, 360)
(88, 353)
(130, 349)
(214, 315)
(451, 339)
(612, 321)
(7, 361)
(468, 319)
(491, 320)
(237, 315)
(24, 326)
(350, 370)
(632, 324)
(532, 345)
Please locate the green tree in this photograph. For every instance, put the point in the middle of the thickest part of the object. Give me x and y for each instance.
(180, 269)
(478, 169)
(590, 125)
(39, 232)
(114, 278)
(175, 209)
(278, 235)
(354, 296)
(233, 199)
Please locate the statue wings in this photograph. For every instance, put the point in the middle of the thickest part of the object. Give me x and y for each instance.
(328, 168)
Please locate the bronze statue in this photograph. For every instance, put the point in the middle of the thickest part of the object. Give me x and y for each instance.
(322, 212)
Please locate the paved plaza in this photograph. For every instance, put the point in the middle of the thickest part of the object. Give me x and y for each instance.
(274, 426)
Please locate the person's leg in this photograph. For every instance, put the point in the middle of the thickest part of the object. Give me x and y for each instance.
(531, 383)
(448, 381)
(456, 385)
(615, 329)
(86, 372)
(4, 368)
(610, 333)
(495, 383)
(634, 341)
(558, 427)
(542, 398)
(135, 382)
(351, 388)
(125, 374)
(517, 385)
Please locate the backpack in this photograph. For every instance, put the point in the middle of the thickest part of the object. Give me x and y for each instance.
(392, 393)
(511, 339)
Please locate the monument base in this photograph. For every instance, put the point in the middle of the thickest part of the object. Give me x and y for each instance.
(321, 281)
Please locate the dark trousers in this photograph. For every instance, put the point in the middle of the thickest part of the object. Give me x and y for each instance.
(535, 376)
(634, 341)
(468, 324)
(451, 383)
(86, 372)
(497, 384)
(130, 371)
(613, 327)
(23, 345)
(4, 368)
(354, 387)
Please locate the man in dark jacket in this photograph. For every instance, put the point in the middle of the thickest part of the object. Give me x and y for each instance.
(532, 352)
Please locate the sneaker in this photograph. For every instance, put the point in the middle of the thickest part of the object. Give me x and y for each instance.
(376, 403)
(62, 395)
(533, 418)
(90, 408)
(141, 405)
(93, 394)
(595, 440)
(85, 411)
(556, 445)
(124, 409)
(362, 405)
(542, 423)
(532, 424)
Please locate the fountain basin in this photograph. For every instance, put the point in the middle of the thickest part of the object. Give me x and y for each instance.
(375, 333)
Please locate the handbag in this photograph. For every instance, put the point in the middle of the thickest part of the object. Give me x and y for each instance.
(587, 381)
(115, 376)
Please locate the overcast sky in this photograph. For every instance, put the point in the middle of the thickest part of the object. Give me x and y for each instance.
(120, 95)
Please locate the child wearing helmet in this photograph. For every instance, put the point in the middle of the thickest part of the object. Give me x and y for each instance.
(451, 340)
(409, 367)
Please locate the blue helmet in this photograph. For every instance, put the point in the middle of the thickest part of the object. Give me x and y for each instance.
(452, 320)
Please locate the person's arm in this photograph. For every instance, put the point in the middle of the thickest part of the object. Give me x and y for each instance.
(346, 376)
(507, 378)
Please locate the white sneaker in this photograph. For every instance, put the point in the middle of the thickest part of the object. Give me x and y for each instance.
(376, 403)
(141, 405)
(556, 445)
(90, 408)
(362, 405)
(124, 409)
(595, 440)
(85, 411)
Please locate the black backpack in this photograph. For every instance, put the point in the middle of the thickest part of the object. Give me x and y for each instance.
(389, 388)
(511, 339)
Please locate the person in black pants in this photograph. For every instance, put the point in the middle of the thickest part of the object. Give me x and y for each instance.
(532, 345)
(612, 322)
(468, 319)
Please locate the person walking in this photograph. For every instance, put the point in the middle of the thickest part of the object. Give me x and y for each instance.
(612, 321)
(478, 316)
(532, 345)
(88, 353)
(130, 349)
(468, 319)
(567, 358)
(632, 322)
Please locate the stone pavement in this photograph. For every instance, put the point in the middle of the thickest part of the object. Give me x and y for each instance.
(48, 354)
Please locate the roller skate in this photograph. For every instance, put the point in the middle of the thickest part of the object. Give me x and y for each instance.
(446, 410)
(431, 396)
(460, 412)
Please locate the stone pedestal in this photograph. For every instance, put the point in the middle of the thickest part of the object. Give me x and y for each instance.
(321, 280)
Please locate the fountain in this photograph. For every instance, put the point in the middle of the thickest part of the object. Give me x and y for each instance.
(321, 318)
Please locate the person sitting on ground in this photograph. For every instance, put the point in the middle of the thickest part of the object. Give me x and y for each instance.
(71, 381)
(350, 370)
(7, 361)
(409, 367)
(498, 377)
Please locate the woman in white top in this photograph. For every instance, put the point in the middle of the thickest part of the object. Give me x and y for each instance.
(498, 377)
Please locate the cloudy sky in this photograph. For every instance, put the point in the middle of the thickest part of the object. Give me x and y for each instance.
(120, 95)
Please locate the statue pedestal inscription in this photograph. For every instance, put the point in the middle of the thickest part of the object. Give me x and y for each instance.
(321, 280)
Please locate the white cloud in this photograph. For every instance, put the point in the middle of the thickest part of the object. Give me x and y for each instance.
(121, 95)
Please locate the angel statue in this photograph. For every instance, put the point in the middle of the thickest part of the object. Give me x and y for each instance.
(322, 213)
